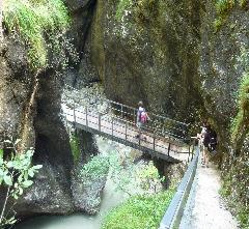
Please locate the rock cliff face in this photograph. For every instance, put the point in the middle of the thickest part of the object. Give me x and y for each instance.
(223, 64)
(82, 12)
(168, 54)
(30, 109)
(179, 60)
(16, 83)
(149, 51)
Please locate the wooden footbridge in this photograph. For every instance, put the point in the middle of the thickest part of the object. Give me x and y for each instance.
(161, 137)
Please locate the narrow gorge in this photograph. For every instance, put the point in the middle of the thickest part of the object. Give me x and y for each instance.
(187, 60)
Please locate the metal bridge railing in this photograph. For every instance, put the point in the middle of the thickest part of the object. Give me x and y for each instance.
(174, 212)
(125, 131)
(160, 125)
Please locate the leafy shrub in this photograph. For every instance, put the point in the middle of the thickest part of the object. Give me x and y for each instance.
(149, 178)
(75, 147)
(31, 19)
(97, 167)
(143, 211)
(16, 172)
(222, 8)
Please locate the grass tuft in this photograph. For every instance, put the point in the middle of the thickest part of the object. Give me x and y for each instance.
(32, 19)
(143, 211)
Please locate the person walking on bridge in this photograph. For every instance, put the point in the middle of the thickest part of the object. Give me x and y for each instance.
(142, 118)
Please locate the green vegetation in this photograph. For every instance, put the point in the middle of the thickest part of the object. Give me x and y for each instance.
(223, 7)
(238, 173)
(16, 172)
(243, 4)
(226, 188)
(75, 147)
(240, 124)
(236, 195)
(133, 179)
(148, 177)
(122, 6)
(143, 211)
(96, 168)
(243, 216)
(33, 20)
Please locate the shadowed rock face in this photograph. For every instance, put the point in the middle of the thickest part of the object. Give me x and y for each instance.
(222, 65)
(165, 53)
(41, 117)
(150, 53)
(52, 190)
(15, 84)
(170, 56)
(82, 12)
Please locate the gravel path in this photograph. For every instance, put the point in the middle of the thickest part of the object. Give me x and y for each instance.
(205, 209)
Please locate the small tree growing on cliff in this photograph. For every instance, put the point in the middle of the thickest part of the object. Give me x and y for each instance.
(15, 173)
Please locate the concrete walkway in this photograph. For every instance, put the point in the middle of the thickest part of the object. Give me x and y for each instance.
(205, 209)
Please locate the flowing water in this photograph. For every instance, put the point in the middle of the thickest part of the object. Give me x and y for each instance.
(111, 197)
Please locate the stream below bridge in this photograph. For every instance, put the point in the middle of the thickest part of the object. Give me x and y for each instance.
(77, 221)
(111, 197)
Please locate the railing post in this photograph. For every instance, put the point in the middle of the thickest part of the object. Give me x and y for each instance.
(112, 126)
(86, 118)
(74, 115)
(66, 122)
(154, 142)
(189, 152)
(139, 137)
(125, 130)
(135, 116)
(1, 22)
(168, 149)
(122, 111)
(193, 148)
(99, 122)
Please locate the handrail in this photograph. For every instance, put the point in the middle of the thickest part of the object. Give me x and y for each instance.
(130, 125)
(146, 126)
(174, 212)
(124, 131)
(173, 127)
(101, 125)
